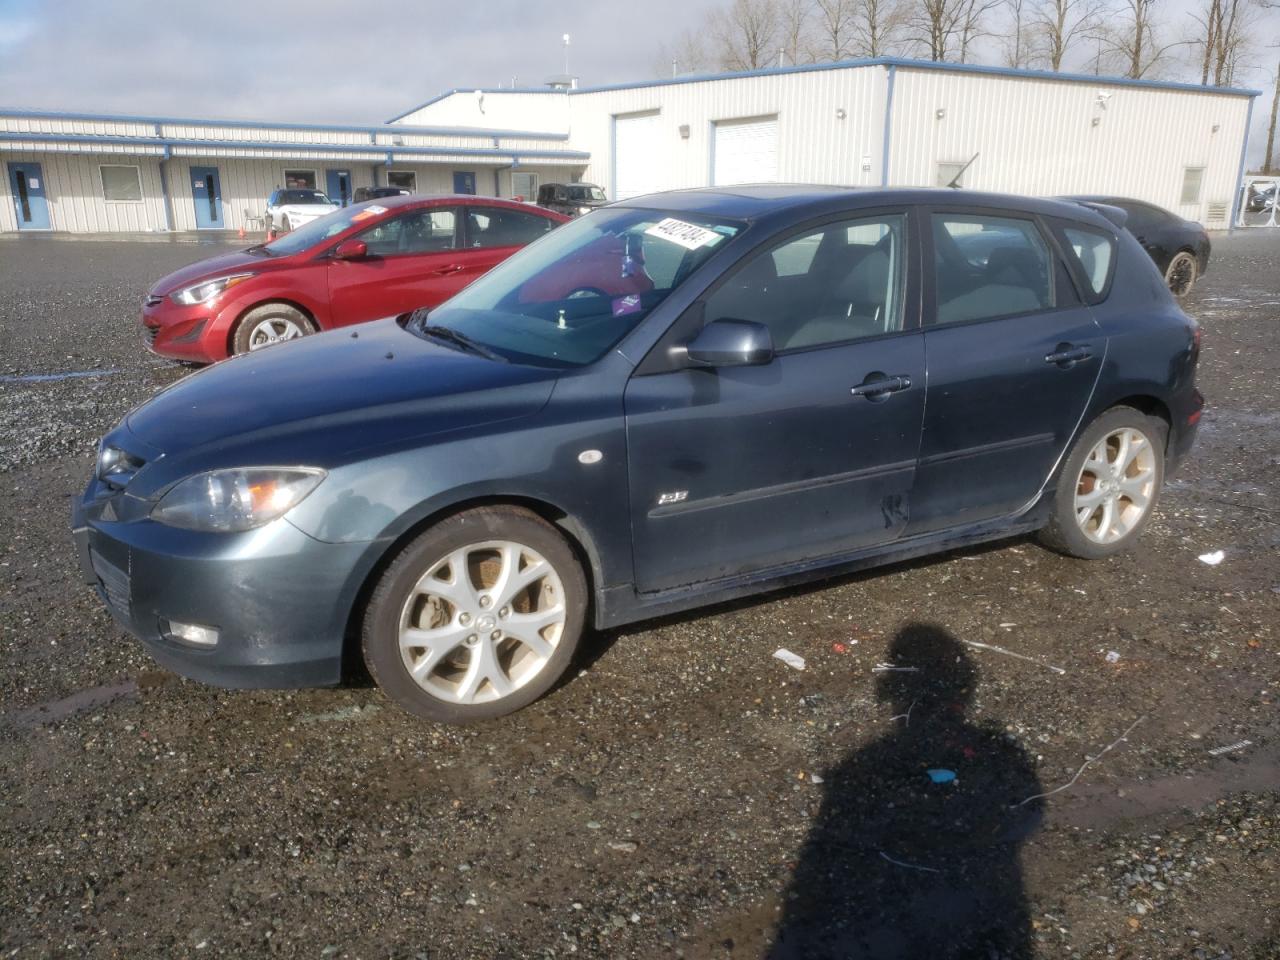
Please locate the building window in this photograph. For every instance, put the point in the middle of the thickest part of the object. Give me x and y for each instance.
(949, 171)
(524, 186)
(1192, 177)
(121, 184)
(300, 179)
(404, 179)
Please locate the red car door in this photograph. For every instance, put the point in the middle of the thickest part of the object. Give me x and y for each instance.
(412, 261)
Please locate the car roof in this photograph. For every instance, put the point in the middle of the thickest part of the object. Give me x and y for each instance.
(413, 200)
(753, 201)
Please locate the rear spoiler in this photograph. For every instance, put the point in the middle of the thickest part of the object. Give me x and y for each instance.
(1116, 215)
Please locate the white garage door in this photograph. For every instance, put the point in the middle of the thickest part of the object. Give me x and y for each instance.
(635, 156)
(746, 151)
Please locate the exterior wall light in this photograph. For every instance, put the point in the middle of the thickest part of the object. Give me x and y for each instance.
(1216, 128)
(940, 113)
(684, 131)
(1096, 121)
(840, 114)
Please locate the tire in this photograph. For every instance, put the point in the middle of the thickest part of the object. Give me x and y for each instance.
(1181, 273)
(1082, 485)
(280, 320)
(474, 663)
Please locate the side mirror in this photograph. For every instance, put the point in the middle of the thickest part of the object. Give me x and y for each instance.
(351, 250)
(732, 343)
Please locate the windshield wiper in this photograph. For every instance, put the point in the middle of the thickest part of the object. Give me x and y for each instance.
(460, 339)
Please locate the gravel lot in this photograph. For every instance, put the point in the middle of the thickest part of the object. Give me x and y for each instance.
(685, 794)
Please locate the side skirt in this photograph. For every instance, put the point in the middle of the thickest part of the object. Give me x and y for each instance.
(623, 604)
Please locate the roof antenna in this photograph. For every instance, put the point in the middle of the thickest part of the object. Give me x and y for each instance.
(955, 181)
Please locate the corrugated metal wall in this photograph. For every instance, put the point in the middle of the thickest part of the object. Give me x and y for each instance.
(73, 189)
(543, 111)
(1039, 137)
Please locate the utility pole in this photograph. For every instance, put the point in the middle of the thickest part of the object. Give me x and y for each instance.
(1271, 130)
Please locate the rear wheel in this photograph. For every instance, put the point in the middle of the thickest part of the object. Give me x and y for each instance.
(477, 617)
(1181, 274)
(1110, 485)
(269, 324)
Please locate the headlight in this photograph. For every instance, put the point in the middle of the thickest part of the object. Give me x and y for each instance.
(227, 501)
(205, 291)
(115, 464)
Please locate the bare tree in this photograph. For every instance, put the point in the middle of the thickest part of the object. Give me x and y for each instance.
(1015, 47)
(793, 26)
(833, 29)
(1271, 130)
(1060, 25)
(687, 54)
(973, 22)
(877, 25)
(1132, 39)
(745, 34)
(1226, 28)
(936, 25)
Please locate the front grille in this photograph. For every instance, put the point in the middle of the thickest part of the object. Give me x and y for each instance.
(149, 335)
(115, 584)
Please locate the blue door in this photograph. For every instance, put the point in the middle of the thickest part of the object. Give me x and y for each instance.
(464, 182)
(26, 181)
(206, 192)
(339, 186)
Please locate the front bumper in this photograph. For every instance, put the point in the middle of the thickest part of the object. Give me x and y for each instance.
(279, 599)
(193, 333)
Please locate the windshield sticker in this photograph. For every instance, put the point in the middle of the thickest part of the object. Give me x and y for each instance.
(375, 209)
(625, 305)
(687, 235)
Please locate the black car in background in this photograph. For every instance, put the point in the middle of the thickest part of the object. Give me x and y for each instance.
(1179, 247)
(1262, 197)
(571, 199)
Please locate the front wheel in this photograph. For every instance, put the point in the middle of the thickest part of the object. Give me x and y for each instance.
(1181, 274)
(269, 324)
(1109, 485)
(477, 617)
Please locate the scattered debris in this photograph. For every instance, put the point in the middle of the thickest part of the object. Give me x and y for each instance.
(906, 717)
(792, 660)
(839, 648)
(909, 866)
(1072, 782)
(940, 775)
(1214, 558)
(1230, 748)
(1009, 653)
(342, 713)
(1113, 657)
(624, 846)
(815, 778)
(890, 668)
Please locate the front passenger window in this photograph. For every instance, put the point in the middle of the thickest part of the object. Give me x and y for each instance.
(989, 267)
(840, 282)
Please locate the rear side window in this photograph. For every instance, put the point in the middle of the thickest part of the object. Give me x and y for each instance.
(1094, 251)
(989, 267)
(497, 227)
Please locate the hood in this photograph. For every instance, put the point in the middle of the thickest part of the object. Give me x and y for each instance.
(308, 209)
(239, 262)
(320, 399)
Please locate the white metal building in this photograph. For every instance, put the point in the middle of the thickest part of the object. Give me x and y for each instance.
(876, 122)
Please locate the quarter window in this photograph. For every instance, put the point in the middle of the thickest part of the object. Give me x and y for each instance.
(496, 227)
(121, 184)
(840, 282)
(989, 267)
(1094, 251)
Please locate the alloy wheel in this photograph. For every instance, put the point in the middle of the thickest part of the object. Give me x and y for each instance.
(1182, 274)
(273, 330)
(482, 622)
(1116, 485)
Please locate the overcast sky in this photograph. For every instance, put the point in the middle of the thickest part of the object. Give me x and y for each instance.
(354, 60)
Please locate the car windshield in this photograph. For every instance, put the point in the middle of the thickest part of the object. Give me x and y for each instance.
(585, 192)
(569, 297)
(301, 196)
(319, 230)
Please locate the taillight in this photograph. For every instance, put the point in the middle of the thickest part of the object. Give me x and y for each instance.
(1196, 335)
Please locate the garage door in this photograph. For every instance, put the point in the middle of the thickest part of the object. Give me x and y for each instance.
(746, 151)
(635, 156)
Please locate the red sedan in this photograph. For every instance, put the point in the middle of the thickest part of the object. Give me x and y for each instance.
(369, 260)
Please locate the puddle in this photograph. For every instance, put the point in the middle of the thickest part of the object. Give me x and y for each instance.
(78, 702)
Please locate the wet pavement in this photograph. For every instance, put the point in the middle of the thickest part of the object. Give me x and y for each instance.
(684, 793)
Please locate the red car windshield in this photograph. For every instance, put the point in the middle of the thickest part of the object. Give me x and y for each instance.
(569, 297)
(321, 229)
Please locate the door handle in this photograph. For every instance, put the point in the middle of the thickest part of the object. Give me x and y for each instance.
(451, 268)
(881, 387)
(1067, 355)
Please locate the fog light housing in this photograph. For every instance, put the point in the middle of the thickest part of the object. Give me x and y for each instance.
(189, 633)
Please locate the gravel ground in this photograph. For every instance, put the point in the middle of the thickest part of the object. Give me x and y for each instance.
(685, 794)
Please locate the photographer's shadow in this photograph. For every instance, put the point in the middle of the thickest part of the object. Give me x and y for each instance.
(900, 866)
